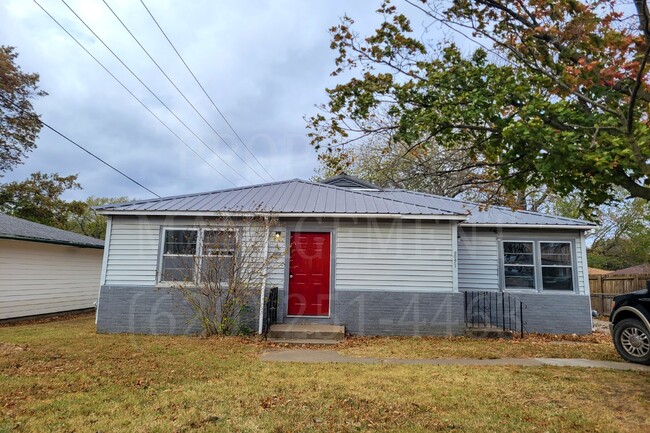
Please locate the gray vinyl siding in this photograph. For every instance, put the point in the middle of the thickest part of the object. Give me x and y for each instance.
(277, 247)
(478, 260)
(369, 255)
(133, 251)
(394, 256)
(478, 255)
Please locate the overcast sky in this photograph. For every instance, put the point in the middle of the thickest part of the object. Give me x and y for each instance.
(265, 63)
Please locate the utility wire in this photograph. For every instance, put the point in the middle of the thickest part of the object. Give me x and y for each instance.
(153, 93)
(134, 96)
(204, 91)
(51, 128)
(181, 92)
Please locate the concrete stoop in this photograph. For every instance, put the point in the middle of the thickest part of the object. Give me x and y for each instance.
(306, 334)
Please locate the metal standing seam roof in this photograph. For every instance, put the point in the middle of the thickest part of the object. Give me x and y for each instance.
(492, 215)
(298, 196)
(285, 197)
(20, 229)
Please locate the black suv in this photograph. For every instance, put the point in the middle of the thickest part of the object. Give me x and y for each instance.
(630, 325)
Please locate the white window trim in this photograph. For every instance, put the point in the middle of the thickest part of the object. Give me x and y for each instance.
(198, 250)
(537, 262)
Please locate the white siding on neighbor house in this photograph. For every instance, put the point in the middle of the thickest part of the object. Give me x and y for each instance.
(394, 256)
(478, 259)
(40, 278)
(478, 255)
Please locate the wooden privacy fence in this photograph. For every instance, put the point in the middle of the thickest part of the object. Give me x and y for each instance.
(604, 287)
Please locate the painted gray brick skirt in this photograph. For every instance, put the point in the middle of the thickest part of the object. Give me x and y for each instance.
(151, 310)
(550, 313)
(393, 313)
(144, 310)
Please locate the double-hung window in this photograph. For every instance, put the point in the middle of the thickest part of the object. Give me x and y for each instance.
(519, 265)
(198, 255)
(557, 271)
(179, 255)
(538, 265)
(218, 255)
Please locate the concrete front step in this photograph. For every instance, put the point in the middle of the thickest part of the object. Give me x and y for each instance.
(306, 333)
(304, 341)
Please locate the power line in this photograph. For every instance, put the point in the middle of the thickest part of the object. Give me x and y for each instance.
(51, 128)
(204, 91)
(134, 96)
(153, 93)
(181, 92)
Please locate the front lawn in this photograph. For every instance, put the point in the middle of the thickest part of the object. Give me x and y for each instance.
(596, 346)
(61, 376)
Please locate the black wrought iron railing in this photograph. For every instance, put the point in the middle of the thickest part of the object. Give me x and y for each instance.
(270, 310)
(485, 309)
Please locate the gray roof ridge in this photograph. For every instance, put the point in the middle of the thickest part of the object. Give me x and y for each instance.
(443, 197)
(194, 194)
(352, 179)
(494, 206)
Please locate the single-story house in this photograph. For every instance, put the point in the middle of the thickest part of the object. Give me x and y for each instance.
(633, 270)
(378, 261)
(46, 270)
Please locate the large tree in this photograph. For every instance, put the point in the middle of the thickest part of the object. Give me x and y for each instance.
(556, 96)
(19, 124)
(39, 199)
(88, 222)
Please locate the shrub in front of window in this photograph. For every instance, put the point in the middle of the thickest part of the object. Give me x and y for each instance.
(220, 269)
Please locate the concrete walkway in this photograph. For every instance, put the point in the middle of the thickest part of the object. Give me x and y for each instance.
(318, 355)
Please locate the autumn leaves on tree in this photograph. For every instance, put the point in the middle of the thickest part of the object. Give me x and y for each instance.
(555, 95)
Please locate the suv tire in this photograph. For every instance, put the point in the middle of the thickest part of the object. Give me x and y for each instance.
(632, 341)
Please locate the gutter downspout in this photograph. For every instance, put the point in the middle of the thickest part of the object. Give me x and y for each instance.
(262, 291)
(102, 278)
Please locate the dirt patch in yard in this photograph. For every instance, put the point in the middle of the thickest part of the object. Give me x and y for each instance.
(7, 348)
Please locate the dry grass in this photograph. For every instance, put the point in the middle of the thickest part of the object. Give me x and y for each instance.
(594, 346)
(61, 376)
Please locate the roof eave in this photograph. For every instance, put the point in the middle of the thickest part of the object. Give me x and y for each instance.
(50, 241)
(532, 226)
(283, 214)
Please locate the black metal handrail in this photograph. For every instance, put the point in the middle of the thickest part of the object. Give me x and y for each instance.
(503, 310)
(270, 311)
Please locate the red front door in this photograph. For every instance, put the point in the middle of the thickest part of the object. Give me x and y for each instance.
(309, 274)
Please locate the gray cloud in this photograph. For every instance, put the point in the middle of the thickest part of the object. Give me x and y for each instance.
(265, 63)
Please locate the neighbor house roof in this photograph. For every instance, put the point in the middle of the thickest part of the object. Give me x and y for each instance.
(340, 195)
(638, 269)
(287, 197)
(597, 271)
(20, 229)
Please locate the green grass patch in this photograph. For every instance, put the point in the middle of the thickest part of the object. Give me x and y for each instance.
(61, 376)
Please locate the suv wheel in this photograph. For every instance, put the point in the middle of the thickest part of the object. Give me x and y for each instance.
(632, 341)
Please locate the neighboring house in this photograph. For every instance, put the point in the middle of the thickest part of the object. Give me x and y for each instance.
(597, 271)
(638, 269)
(378, 261)
(46, 270)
